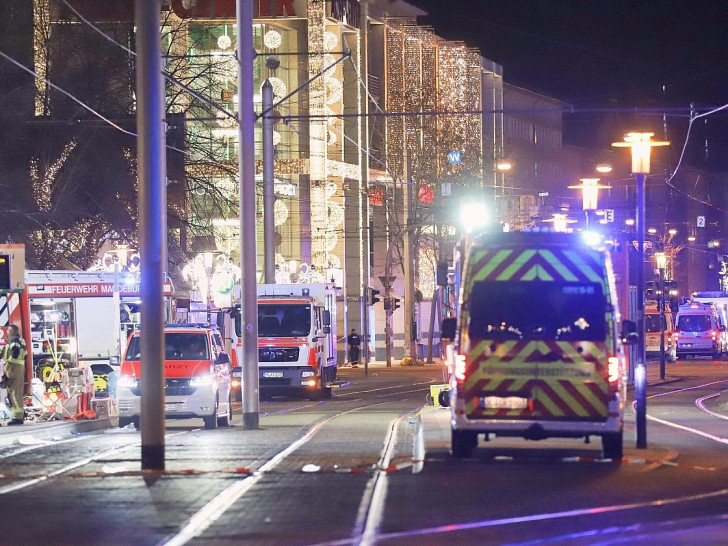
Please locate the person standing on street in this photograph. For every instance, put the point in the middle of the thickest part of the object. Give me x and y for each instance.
(354, 343)
(13, 357)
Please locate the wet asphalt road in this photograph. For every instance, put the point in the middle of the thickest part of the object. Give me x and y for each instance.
(371, 466)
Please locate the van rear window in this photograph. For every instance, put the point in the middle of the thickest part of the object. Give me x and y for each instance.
(693, 323)
(537, 310)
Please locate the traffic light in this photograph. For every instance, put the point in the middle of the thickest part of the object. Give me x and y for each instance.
(372, 296)
(5, 271)
(395, 303)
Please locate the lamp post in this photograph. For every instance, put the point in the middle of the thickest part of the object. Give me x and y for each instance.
(590, 194)
(640, 145)
(661, 260)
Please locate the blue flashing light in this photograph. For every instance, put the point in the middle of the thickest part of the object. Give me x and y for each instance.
(592, 238)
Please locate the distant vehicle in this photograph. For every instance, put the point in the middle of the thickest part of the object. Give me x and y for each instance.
(536, 352)
(236, 376)
(719, 300)
(653, 329)
(698, 331)
(297, 341)
(197, 377)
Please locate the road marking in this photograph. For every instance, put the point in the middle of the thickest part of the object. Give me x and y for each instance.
(598, 510)
(209, 513)
(699, 403)
(371, 507)
(68, 468)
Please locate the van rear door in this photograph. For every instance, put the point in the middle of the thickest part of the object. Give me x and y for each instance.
(537, 333)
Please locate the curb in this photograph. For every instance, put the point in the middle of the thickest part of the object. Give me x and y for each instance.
(10, 436)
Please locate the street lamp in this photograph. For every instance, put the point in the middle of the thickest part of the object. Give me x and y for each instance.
(590, 194)
(640, 145)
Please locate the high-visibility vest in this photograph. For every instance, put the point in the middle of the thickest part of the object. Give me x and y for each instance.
(8, 354)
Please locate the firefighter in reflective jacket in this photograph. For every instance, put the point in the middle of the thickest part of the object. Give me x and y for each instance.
(13, 357)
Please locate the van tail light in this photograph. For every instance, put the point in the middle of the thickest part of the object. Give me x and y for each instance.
(461, 363)
(313, 356)
(714, 334)
(614, 371)
(675, 335)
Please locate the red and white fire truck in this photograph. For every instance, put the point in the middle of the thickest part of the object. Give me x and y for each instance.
(296, 338)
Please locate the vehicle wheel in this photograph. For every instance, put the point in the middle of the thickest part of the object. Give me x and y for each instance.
(463, 442)
(211, 420)
(126, 421)
(226, 419)
(612, 446)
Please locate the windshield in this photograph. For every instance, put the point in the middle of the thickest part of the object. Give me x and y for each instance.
(177, 346)
(652, 323)
(537, 310)
(284, 319)
(693, 323)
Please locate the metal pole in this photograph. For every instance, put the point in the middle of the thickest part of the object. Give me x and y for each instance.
(248, 259)
(640, 385)
(269, 230)
(151, 161)
(662, 323)
(363, 188)
(408, 266)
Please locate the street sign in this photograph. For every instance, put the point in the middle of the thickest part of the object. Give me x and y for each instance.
(701, 221)
(646, 245)
(387, 281)
(454, 157)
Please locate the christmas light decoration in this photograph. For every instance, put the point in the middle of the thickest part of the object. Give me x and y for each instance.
(331, 41)
(426, 271)
(43, 185)
(280, 89)
(272, 39)
(224, 42)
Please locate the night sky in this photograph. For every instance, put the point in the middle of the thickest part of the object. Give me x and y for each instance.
(600, 54)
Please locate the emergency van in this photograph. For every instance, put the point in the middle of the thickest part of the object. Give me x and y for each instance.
(654, 326)
(698, 331)
(297, 351)
(536, 351)
(196, 372)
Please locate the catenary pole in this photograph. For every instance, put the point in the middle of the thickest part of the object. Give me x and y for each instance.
(152, 203)
(269, 233)
(246, 170)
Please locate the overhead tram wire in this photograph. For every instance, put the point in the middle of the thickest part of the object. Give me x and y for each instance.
(166, 76)
(381, 113)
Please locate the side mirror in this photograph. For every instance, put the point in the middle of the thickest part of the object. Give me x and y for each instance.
(448, 328)
(629, 332)
(327, 329)
(222, 358)
(327, 317)
(114, 360)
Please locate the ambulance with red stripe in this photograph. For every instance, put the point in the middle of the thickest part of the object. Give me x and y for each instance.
(297, 351)
(535, 352)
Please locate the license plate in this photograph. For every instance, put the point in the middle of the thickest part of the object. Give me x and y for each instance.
(272, 374)
(170, 407)
(504, 402)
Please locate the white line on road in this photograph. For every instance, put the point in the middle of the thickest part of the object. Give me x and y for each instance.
(72, 466)
(371, 506)
(209, 513)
